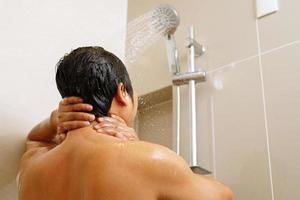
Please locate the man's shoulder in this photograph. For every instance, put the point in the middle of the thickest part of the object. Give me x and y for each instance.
(159, 161)
(171, 172)
(139, 155)
(151, 151)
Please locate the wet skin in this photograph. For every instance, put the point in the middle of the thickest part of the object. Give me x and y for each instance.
(92, 166)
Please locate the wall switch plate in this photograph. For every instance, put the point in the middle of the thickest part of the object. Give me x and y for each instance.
(265, 7)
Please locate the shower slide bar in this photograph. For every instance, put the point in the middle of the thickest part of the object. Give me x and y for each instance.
(191, 78)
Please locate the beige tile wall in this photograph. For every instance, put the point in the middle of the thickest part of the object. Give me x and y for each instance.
(155, 124)
(282, 27)
(241, 151)
(281, 71)
(249, 108)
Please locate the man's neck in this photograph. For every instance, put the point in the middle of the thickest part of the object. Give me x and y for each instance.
(88, 131)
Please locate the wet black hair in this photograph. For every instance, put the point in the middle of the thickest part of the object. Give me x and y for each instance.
(93, 74)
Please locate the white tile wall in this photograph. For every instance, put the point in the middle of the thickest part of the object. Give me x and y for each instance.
(34, 36)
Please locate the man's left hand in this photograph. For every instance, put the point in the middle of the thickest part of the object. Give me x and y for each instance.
(115, 126)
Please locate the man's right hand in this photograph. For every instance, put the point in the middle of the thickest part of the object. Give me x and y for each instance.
(72, 114)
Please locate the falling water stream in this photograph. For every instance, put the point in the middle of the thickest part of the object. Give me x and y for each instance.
(147, 29)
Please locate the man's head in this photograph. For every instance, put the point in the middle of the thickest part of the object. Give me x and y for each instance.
(101, 79)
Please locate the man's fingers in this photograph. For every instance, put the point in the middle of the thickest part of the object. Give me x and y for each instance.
(61, 130)
(115, 126)
(106, 119)
(111, 119)
(130, 136)
(71, 125)
(107, 131)
(120, 119)
(71, 100)
(76, 116)
(76, 107)
(105, 124)
(61, 137)
(118, 126)
(119, 132)
(121, 136)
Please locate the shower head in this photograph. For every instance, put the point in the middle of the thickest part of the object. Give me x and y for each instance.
(165, 19)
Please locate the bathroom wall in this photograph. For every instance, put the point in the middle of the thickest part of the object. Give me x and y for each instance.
(155, 124)
(154, 118)
(34, 36)
(248, 109)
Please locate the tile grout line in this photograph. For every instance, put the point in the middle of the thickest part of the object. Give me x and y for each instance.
(245, 59)
(280, 47)
(232, 64)
(264, 109)
(251, 57)
(212, 110)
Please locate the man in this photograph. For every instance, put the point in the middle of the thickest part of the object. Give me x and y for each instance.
(89, 165)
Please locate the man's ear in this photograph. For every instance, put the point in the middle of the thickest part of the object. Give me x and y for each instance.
(122, 95)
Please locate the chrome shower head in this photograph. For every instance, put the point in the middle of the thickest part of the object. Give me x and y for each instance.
(165, 19)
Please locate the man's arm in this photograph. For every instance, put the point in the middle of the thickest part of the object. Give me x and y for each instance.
(38, 138)
(43, 133)
(66, 117)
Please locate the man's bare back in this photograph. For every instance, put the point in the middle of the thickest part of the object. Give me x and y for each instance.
(92, 165)
(89, 165)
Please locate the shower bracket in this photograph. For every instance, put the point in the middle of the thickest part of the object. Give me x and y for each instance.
(199, 48)
(184, 78)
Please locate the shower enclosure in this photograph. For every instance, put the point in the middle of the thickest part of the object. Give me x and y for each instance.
(148, 28)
